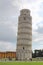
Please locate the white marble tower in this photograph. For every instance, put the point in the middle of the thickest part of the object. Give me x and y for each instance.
(24, 36)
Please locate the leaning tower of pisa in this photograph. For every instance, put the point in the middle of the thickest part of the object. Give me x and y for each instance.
(24, 36)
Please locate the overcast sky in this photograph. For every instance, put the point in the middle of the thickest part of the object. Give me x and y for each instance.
(9, 12)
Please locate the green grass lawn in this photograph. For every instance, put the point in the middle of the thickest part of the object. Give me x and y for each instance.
(21, 63)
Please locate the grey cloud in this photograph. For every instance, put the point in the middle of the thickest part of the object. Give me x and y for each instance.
(7, 9)
(38, 36)
(7, 33)
(8, 20)
(8, 12)
(41, 10)
(7, 46)
(39, 30)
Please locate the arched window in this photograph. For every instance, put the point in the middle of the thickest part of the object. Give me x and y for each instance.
(23, 48)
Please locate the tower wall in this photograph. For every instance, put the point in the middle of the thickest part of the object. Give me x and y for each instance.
(24, 37)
